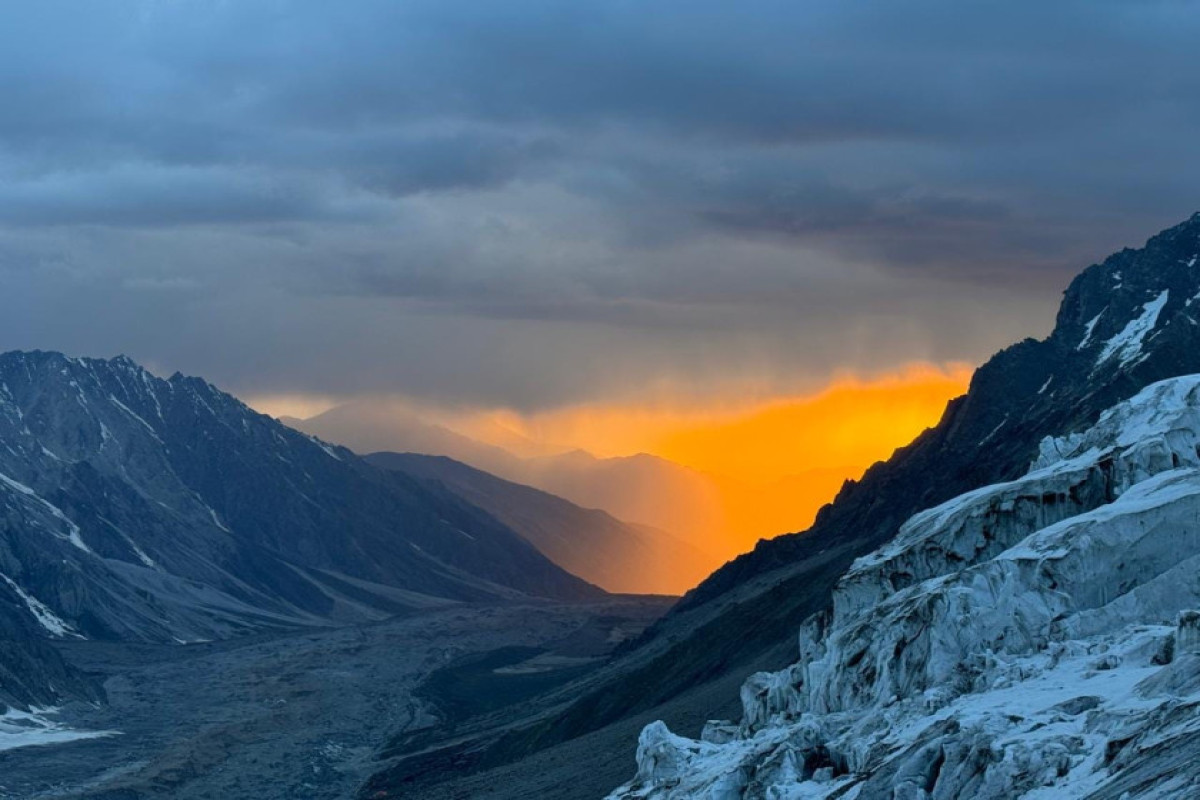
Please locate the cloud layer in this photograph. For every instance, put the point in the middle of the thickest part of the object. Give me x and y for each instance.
(533, 203)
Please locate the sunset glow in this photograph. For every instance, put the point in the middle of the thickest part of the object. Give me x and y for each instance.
(851, 424)
(776, 462)
(757, 468)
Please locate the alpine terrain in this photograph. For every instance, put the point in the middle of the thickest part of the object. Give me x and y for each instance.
(646, 491)
(138, 509)
(198, 599)
(615, 555)
(1124, 324)
(563, 401)
(962, 656)
(143, 508)
(1033, 638)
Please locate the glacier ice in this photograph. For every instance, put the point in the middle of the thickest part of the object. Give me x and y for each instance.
(1035, 639)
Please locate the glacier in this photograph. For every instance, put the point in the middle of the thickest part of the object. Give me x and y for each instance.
(1038, 638)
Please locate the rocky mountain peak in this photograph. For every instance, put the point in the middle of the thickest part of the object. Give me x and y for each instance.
(1114, 309)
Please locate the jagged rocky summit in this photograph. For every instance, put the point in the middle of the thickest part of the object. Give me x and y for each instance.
(1036, 638)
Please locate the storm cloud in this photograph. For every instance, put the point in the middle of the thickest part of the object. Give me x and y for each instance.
(531, 203)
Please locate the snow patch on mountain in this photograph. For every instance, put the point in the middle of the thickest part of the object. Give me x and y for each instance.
(39, 727)
(1126, 346)
(1030, 639)
(1088, 330)
(41, 612)
(134, 415)
(73, 533)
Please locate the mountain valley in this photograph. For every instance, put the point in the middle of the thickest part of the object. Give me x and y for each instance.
(202, 601)
(1123, 324)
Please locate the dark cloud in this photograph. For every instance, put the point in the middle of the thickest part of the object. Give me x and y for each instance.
(469, 200)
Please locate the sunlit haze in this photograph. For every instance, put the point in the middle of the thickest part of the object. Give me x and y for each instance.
(693, 264)
(771, 463)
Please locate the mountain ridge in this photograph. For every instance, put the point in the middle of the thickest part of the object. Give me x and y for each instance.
(134, 507)
(1031, 638)
(618, 556)
(641, 488)
(1027, 391)
(1005, 371)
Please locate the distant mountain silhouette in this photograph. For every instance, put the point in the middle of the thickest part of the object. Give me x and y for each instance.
(642, 488)
(615, 555)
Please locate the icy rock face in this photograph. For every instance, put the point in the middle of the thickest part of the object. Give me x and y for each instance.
(1035, 638)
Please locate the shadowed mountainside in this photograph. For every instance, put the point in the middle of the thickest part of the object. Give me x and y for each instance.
(138, 508)
(642, 489)
(615, 555)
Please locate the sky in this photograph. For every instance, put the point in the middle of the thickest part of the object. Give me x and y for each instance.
(769, 465)
(532, 206)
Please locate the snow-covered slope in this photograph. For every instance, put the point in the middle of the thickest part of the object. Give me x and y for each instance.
(1036, 638)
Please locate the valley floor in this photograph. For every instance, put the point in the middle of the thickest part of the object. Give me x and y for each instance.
(305, 715)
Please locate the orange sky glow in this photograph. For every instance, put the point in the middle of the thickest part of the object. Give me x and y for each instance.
(765, 466)
(776, 462)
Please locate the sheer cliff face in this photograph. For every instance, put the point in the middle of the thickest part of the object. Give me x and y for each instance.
(1033, 638)
(133, 507)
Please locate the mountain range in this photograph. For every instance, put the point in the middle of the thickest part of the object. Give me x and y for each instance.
(718, 514)
(137, 508)
(1124, 324)
(642, 489)
(590, 543)
(1033, 638)
(1006, 607)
